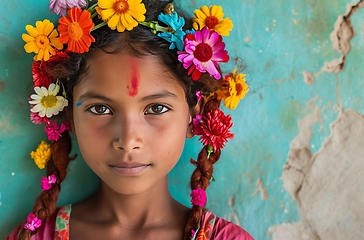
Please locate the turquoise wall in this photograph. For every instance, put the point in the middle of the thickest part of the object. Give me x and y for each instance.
(282, 42)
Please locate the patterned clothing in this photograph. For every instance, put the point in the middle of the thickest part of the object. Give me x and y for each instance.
(211, 228)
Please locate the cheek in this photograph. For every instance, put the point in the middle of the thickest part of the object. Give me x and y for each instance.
(86, 130)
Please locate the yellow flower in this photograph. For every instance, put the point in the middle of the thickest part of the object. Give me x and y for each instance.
(122, 14)
(41, 40)
(212, 18)
(42, 154)
(222, 91)
(238, 88)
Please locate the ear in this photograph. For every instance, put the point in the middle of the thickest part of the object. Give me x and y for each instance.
(194, 111)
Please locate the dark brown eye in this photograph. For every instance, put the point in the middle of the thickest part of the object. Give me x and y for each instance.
(100, 109)
(156, 109)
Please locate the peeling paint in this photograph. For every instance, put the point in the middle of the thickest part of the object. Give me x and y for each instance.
(261, 189)
(340, 37)
(308, 78)
(2, 85)
(328, 199)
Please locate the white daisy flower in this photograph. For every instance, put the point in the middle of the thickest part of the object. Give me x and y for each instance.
(46, 102)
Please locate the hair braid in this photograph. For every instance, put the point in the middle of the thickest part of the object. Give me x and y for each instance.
(45, 204)
(203, 173)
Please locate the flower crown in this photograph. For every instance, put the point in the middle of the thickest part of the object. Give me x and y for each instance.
(199, 49)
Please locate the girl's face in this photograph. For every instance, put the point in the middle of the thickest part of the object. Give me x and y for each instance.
(131, 119)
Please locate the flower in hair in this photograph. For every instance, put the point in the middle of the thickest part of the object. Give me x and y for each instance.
(60, 7)
(238, 89)
(32, 222)
(40, 76)
(54, 131)
(47, 182)
(198, 197)
(199, 95)
(214, 129)
(122, 14)
(36, 119)
(174, 34)
(232, 89)
(75, 30)
(42, 40)
(193, 233)
(41, 155)
(202, 54)
(212, 18)
(46, 101)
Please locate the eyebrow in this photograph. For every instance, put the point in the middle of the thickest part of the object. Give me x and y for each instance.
(87, 95)
(163, 94)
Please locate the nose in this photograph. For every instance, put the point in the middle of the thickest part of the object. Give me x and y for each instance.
(127, 134)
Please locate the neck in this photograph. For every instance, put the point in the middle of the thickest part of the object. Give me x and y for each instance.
(153, 206)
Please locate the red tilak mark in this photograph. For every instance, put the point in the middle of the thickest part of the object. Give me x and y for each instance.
(134, 80)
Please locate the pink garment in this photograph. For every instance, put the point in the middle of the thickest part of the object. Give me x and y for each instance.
(211, 228)
(215, 228)
(45, 231)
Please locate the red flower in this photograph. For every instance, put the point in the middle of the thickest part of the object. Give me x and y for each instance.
(214, 129)
(40, 76)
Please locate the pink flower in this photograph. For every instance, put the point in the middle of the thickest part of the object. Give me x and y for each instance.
(47, 182)
(32, 222)
(198, 197)
(193, 232)
(199, 95)
(54, 131)
(36, 119)
(60, 7)
(214, 129)
(203, 53)
(196, 121)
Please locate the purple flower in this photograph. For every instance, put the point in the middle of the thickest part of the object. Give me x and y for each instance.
(61, 7)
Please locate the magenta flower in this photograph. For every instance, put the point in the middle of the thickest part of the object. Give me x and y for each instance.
(36, 119)
(202, 53)
(47, 182)
(198, 197)
(32, 222)
(60, 7)
(197, 121)
(54, 131)
(214, 129)
(193, 232)
(199, 95)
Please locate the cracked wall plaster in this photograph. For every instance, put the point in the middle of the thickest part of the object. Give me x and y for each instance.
(328, 185)
(340, 37)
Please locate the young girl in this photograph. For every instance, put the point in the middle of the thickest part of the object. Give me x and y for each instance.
(131, 80)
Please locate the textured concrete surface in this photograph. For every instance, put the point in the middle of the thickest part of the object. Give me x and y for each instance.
(294, 169)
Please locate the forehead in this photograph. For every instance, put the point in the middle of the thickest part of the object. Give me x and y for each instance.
(127, 73)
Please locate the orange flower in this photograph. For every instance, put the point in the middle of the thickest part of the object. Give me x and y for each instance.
(75, 30)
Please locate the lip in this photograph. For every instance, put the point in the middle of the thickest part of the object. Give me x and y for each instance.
(130, 168)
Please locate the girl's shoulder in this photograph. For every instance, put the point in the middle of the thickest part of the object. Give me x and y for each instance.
(47, 230)
(214, 228)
